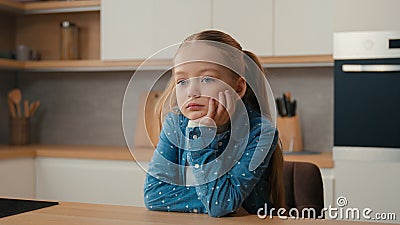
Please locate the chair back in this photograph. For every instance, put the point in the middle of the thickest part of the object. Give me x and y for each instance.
(303, 188)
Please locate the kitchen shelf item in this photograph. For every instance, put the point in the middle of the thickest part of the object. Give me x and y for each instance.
(40, 7)
(20, 131)
(11, 108)
(290, 133)
(15, 96)
(69, 41)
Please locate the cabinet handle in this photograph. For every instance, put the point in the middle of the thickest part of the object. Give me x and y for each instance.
(370, 68)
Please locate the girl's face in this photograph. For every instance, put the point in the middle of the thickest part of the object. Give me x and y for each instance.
(197, 82)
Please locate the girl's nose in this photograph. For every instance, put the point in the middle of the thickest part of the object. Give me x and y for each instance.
(194, 89)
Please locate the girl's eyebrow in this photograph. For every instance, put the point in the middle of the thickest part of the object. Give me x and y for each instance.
(209, 69)
(179, 72)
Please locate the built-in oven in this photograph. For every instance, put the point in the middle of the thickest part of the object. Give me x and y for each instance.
(367, 89)
(366, 149)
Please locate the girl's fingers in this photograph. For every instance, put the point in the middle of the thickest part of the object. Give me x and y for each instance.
(229, 101)
(222, 109)
(211, 108)
(222, 103)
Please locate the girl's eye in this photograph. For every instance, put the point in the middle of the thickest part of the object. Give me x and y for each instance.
(182, 82)
(207, 79)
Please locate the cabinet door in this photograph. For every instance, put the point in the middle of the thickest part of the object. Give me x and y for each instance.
(17, 178)
(126, 29)
(90, 181)
(366, 15)
(136, 29)
(328, 181)
(303, 27)
(177, 19)
(249, 22)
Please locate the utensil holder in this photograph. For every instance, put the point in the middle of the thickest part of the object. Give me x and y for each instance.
(290, 133)
(20, 131)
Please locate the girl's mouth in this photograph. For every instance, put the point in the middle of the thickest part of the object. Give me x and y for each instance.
(194, 106)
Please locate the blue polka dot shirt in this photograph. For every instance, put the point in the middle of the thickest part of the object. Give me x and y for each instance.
(199, 170)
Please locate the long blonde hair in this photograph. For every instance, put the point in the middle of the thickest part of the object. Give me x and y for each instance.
(276, 163)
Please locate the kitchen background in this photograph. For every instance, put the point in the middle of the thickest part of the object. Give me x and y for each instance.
(294, 39)
(84, 108)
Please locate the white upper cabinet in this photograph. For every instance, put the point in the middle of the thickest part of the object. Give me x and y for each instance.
(136, 29)
(303, 27)
(126, 29)
(177, 19)
(249, 22)
(366, 15)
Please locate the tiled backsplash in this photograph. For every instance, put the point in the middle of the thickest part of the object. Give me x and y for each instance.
(313, 89)
(6, 84)
(85, 108)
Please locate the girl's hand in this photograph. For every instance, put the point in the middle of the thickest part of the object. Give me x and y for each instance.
(219, 112)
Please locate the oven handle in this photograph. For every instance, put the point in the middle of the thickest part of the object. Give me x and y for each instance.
(370, 68)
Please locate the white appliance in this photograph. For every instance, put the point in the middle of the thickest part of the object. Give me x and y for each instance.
(367, 122)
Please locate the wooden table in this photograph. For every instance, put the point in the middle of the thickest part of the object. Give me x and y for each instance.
(88, 214)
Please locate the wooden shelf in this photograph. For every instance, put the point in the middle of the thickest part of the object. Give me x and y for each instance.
(50, 6)
(93, 65)
(310, 59)
(11, 6)
(8, 64)
(126, 65)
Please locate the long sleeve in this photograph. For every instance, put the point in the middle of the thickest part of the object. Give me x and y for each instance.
(227, 193)
(214, 191)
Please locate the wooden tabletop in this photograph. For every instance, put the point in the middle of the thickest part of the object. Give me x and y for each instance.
(322, 160)
(90, 214)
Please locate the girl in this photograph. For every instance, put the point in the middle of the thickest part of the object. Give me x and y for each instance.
(218, 149)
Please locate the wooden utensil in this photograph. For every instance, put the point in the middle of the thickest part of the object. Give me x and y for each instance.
(11, 107)
(16, 96)
(33, 107)
(26, 108)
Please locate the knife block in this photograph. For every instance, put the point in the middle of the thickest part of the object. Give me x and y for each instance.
(20, 131)
(290, 133)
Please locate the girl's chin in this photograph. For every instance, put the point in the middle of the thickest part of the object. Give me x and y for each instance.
(194, 115)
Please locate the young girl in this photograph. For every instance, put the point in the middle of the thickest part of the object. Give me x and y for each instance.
(218, 149)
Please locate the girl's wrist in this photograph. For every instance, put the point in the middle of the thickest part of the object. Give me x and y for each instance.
(198, 123)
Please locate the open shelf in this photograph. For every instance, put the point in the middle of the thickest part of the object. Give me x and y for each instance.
(94, 65)
(50, 6)
(9, 64)
(127, 65)
(297, 61)
(45, 21)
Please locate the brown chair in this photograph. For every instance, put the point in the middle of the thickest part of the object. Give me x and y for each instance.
(303, 188)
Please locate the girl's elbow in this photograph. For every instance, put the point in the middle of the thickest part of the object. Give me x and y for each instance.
(152, 206)
(148, 205)
(219, 211)
(217, 214)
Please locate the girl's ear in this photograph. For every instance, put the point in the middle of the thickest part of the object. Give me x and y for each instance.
(241, 87)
